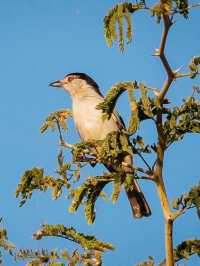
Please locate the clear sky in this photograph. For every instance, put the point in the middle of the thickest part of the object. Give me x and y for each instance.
(40, 41)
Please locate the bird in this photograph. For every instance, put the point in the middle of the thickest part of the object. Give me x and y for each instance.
(86, 95)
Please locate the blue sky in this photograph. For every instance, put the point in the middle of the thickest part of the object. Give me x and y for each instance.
(40, 42)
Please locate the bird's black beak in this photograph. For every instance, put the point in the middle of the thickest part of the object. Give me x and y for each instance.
(57, 84)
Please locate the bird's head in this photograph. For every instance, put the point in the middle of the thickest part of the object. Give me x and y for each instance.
(77, 84)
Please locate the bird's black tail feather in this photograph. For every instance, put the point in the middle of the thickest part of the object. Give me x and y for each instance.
(139, 205)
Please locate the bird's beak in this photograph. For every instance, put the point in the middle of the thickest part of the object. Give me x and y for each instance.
(57, 83)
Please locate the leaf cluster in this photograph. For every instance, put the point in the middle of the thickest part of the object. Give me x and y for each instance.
(182, 251)
(54, 118)
(161, 8)
(4, 243)
(170, 7)
(85, 241)
(144, 108)
(109, 152)
(194, 66)
(149, 262)
(123, 11)
(55, 258)
(182, 120)
(186, 249)
(40, 257)
(91, 255)
(181, 7)
(108, 105)
(88, 193)
(35, 179)
(188, 200)
(116, 16)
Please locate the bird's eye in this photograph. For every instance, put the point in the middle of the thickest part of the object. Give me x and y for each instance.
(70, 79)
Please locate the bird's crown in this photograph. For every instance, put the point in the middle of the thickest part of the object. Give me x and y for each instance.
(83, 76)
(78, 75)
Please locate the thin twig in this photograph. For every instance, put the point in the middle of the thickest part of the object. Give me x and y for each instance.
(68, 238)
(180, 212)
(186, 75)
(62, 141)
(67, 145)
(141, 170)
(59, 130)
(144, 177)
(142, 158)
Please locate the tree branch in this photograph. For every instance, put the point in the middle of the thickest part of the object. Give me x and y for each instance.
(142, 158)
(66, 144)
(149, 174)
(158, 173)
(185, 75)
(161, 53)
(182, 211)
(169, 243)
(62, 141)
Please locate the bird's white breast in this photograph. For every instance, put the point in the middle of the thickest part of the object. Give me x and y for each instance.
(88, 119)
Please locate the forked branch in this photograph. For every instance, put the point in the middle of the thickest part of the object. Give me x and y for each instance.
(162, 144)
(161, 53)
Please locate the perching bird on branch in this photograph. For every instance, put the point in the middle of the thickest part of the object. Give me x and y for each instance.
(86, 95)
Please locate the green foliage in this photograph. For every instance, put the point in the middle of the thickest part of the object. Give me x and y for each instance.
(113, 94)
(90, 190)
(188, 200)
(182, 251)
(146, 102)
(34, 179)
(194, 66)
(117, 184)
(142, 109)
(142, 148)
(116, 16)
(39, 257)
(182, 120)
(170, 7)
(134, 119)
(90, 256)
(109, 151)
(149, 262)
(4, 243)
(181, 7)
(54, 258)
(54, 118)
(85, 241)
(161, 8)
(122, 12)
(186, 249)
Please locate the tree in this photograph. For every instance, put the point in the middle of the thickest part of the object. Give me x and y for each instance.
(171, 123)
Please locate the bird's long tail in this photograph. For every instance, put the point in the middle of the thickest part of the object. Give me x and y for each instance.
(139, 205)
